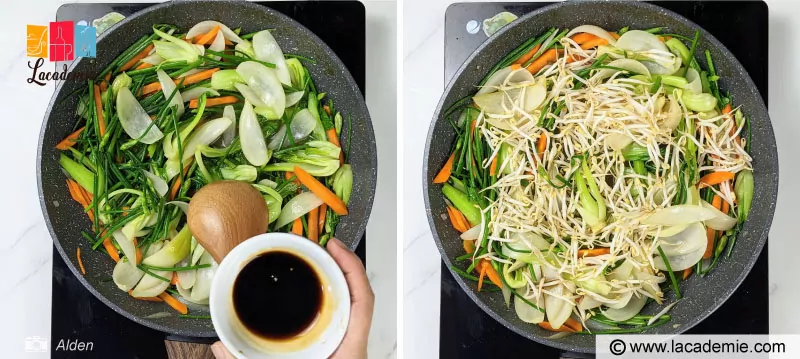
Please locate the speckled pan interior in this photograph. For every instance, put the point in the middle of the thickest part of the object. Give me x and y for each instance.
(702, 295)
(65, 219)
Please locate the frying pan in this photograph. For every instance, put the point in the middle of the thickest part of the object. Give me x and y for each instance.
(66, 219)
(702, 295)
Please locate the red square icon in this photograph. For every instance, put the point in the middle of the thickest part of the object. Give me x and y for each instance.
(62, 41)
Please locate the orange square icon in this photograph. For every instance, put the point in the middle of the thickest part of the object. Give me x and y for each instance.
(37, 41)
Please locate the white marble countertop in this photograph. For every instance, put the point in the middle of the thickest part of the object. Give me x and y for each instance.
(25, 244)
(423, 81)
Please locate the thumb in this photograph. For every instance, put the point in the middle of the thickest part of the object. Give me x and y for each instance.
(220, 352)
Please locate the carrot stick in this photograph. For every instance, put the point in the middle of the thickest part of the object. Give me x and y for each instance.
(454, 220)
(493, 166)
(492, 274)
(615, 35)
(334, 139)
(528, 55)
(146, 299)
(541, 145)
(99, 106)
(480, 279)
(80, 261)
(714, 178)
(215, 101)
(138, 251)
(327, 109)
(112, 251)
(593, 252)
(74, 192)
(323, 210)
(461, 219)
(594, 43)
(180, 307)
(583, 37)
(563, 328)
(177, 184)
(444, 173)
(188, 80)
(128, 65)
(313, 231)
(687, 272)
(319, 189)
(209, 36)
(469, 246)
(70, 140)
(174, 278)
(574, 325)
(105, 82)
(144, 65)
(547, 57)
(710, 233)
(297, 227)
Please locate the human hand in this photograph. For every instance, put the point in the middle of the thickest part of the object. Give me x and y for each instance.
(362, 302)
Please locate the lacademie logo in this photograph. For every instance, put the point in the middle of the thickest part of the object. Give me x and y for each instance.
(61, 41)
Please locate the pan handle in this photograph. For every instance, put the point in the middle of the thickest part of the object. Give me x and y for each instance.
(184, 350)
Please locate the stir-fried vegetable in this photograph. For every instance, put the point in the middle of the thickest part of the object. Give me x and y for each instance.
(588, 167)
(141, 152)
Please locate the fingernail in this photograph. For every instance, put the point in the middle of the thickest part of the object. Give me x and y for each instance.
(218, 350)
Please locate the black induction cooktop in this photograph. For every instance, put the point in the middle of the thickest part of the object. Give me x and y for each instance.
(465, 330)
(76, 313)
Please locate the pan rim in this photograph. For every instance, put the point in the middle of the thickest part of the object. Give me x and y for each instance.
(759, 234)
(242, 5)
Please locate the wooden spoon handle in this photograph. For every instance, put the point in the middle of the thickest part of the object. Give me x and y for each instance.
(184, 350)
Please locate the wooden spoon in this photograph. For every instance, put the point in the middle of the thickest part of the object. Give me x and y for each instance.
(223, 214)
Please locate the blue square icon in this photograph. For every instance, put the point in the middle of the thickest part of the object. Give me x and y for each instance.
(85, 41)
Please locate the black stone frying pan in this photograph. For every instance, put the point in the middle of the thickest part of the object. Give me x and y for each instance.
(702, 295)
(66, 219)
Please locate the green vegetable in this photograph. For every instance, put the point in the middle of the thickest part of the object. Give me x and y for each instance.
(513, 279)
(318, 158)
(674, 81)
(174, 49)
(343, 183)
(245, 173)
(313, 107)
(80, 174)
(635, 152)
(743, 188)
(176, 250)
(246, 47)
(593, 206)
(700, 102)
(670, 272)
(679, 49)
(337, 123)
(462, 202)
(596, 285)
(297, 73)
(122, 80)
(225, 79)
(274, 201)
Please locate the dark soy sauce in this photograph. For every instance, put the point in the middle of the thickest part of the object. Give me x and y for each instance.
(277, 296)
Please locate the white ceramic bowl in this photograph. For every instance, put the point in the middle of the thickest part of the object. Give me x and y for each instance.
(322, 338)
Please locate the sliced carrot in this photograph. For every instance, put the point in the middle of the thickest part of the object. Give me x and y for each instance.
(174, 303)
(574, 325)
(461, 219)
(528, 55)
(215, 101)
(146, 299)
(327, 109)
(144, 65)
(687, 272)
(290, 175)
(492, 274)
(98, 103)
(480, 278)
(313, 231)
(593, 252)
(444, 173)
(112, 251)
(515, 67)
(175, 279)
(454, 220)
(188, 80)
(547, 57)
(563, 328)
(615, 35)
(541, 145)
(319, 189)
(73, 191)
(715, 178)
(128, 65)
(138, 252)
(70, 140)
(583, 37)
(209, 36)
(323, 211)
(727, 109)
(80, 261)
(493, 166)
(334, 139)
(177, 184)
(106, 81)
(594, 43)
(710, 233)
(297, 227)
(469, 246)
